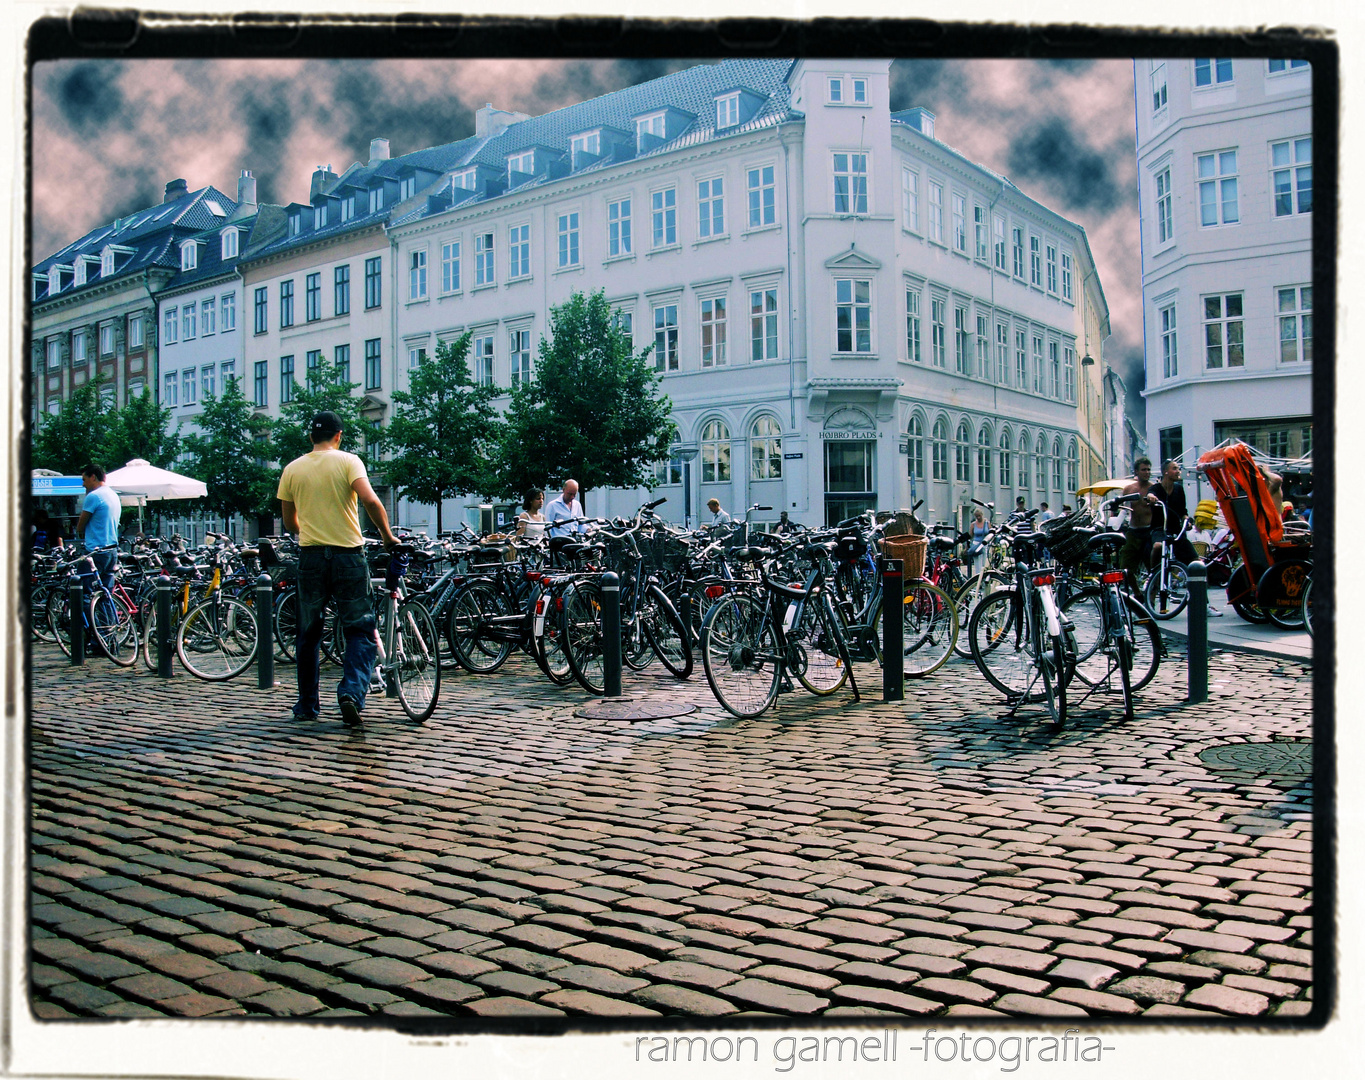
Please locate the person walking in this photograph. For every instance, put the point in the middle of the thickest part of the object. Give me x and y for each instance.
(718, 516)
(97, 526)
(318, 495)
(564, 514)
(977, 544)
(1044, 513)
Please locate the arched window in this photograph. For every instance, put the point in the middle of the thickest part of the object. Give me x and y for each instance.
(1057, 463)
(963, 454)
(1025, 473)
(983, 455)
(915, 448)
(1006, 473)
(1040, 463)
(715, 453)
(670, 471)
(765, 449)
(1073, 461)
(941, 448)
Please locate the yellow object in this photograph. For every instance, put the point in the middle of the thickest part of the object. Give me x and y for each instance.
(319, 486)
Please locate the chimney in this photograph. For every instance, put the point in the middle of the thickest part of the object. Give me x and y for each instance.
(322, 178)
(246, 189)
(921, 119)
(491, 121)
(176, 189)
(379, 150)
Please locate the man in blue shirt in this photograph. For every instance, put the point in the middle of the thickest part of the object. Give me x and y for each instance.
(98, 524)
(566, 508)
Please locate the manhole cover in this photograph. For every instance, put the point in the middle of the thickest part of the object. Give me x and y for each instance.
(624, 708)
(1287, 759)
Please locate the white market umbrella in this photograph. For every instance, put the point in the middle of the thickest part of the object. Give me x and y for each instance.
(146, 483)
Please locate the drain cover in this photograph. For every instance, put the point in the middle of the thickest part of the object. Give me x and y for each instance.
(624, 708)
(1292, 760)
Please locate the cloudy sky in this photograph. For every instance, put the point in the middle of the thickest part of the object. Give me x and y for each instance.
(107, 135)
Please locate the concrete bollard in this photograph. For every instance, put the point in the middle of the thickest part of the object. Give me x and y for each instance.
(165, 595)
(265, 632)
(1198, 626)
(611, 634)
(75, 602)
(893, 630)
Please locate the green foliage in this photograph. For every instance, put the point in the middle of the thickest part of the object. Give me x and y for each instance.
(593, 411)
(141, 429)
(229, 454)
(78, 435)
(325, 391)
(444, 431)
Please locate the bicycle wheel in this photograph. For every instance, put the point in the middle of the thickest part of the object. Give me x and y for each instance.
(1177, 592)
(931, 628)
(37, 611)
(636, 652)
(1125, 658)
(582, 637)
(58, 617)
(287, 624)
(550, 643)
(113, 626)
(1002, 646)
(973, 591)
(666, 634)
(416, 663)
(1308, 607)
(814, 655)
(217, 638)
(1095, 660)
(739, 656)
(467, 628)
(1052, 667)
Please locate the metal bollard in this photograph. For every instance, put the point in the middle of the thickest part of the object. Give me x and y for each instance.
(265, 632)
(1198, 626)
(893, 630)
(165, 594)
(611, 634)
(75, 602)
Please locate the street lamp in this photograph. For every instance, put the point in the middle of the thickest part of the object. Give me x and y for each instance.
(687, 451)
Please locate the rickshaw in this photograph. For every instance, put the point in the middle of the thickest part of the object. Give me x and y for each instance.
(1277, 557)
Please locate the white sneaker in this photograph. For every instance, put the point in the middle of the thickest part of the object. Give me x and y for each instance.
(1214, 613)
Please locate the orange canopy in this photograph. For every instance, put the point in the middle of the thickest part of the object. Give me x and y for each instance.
(1233, 473)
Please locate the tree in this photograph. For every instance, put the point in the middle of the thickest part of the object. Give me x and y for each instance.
(141, 430)
(78, 434)
(445, 430)
(592, 412)
(325, 391)
(230, 453)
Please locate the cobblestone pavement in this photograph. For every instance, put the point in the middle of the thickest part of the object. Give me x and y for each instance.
(195, 852)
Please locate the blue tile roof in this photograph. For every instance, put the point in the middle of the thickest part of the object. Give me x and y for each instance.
(211, 261)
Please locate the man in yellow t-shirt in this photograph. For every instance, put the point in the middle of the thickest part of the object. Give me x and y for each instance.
(318, 494)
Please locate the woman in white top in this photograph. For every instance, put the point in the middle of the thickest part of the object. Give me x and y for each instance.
(531, 522)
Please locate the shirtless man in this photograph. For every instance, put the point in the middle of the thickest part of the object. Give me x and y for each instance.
(1139, 529)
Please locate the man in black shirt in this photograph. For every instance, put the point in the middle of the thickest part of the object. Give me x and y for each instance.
(1174, 509)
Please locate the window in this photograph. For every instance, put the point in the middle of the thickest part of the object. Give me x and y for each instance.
(261, 396)
(188, 386)
(208, 318)
(341, 289)
(1170, 354)
(850, 183)
(373, 282)
(1223, 331)
(1017, 236)
(171, 334)
(1212, 72)
(1002, 354)
(912, 329)
(136, 388)
(763, 324)
(229, 250)
(1066, 275)
(670, 471)
(1057, 463)
(1000, 264)
(135, 325)
(417, 274)
(107, 339)
(940, 449)
(1172, 441)
(407, 188)
(983, 347)
(836, 91)
(286, 379)
(519, 345)
(376, 199)
(189, 323)
(910, 199)
(666, 337)
(1069, 373)
(312, 297)
(710, 207)
(1021, 359)
(206, 379)
(938, 314)
(1073, 466)
(483, 259)
(450, 266)
(715, 453)
(960, 222)
(372, 372)
(1164, 228)
(664, 216)
(1158, 88)
(625, 323)
(1006, 461)
(727, 111)
(979, 221)
(79, 350)
(962, 451)
(189, 257)
(1278, 67)
(960, 354)
(1217, 187)
(1054, 367)
(107, 263)
(914, 449)
(586, 144)
(1038, 365)
(568, 239)
(483, 360)
(1296, 323)
(518, 251)
(295, 224)
(618, 227)
(524, 163)
(170, 395)
(348, 208)
(765, 449)
(1040, 463)
(1025, 473)
(229, 370)
(312, 367)
(1292, 176)
(1035, 256)
(341, 363)
(320, 216)
(286, 304)
(853, 315)
(648, 125)
(79, 274)
(1052, 268)
(984, 453)
(713, 332)
(416, 355)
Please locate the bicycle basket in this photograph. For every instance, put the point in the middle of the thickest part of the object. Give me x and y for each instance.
(911, 550)
(1066, 539)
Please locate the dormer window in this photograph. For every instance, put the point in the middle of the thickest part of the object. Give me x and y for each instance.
(348, 208)
(39, 285)
(320, 216)
(376, 199)
(649, 125)
(189, 255)
(464, 180)
(407, 188)
(590, 143)
(229, 243)
(727, 110)
(521, 163)
(106, 262)
(860, 91)
(80, 273)
(295, 224)
(836, 91)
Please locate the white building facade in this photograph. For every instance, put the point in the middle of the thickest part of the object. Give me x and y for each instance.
(1225, 156)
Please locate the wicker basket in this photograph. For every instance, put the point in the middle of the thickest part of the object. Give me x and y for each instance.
(911, 550)
(1064, 540)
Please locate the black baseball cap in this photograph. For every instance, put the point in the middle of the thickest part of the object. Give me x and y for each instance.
(324, 426)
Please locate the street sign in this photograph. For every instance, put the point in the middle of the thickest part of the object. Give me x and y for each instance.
(792, 457)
